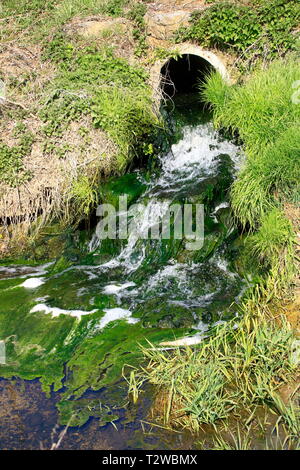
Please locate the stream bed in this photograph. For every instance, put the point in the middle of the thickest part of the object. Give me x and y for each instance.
(73, 328)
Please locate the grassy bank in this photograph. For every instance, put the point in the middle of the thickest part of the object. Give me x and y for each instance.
(231, 390)
(74, 110)
(263, 113)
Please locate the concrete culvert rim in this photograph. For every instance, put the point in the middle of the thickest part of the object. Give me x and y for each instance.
(195, 59)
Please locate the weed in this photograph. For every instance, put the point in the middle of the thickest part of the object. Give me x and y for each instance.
(261, 30)
(136, 14)
(237, 367)
(12, 171)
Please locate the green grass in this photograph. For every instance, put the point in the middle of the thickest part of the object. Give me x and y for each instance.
(89, 86)
(244, 363)
(238, 368)
(95, 82)
(261, 109)
(262, 112)
(37, 18)
(274, 235)
(128, 118)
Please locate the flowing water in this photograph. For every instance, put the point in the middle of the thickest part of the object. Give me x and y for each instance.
(76, 324)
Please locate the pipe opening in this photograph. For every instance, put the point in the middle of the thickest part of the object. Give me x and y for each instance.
(183, 75)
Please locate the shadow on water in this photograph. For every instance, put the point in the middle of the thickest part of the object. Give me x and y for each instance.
(29, 421)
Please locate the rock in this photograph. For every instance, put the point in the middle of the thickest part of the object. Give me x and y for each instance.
(165, 17)
(162, 25)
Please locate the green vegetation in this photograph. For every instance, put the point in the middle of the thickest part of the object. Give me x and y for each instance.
(128, 118)
(274, 234)
(136, 14)
(242, 366)
(36, 18)
(94, 111)
(103, 85)
(93, 94)
(12, 171)
(267, 121)
(84, 195)
(262, 29)
(38, 345)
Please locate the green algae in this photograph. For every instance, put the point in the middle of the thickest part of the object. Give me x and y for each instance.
(76, 356)
(99, 361)
(64, 351)
(129, 184)
(78, 412)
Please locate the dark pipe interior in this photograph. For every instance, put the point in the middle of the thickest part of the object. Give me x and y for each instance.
(184, 74)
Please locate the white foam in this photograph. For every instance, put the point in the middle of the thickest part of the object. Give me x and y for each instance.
(113, 314)
(115, 288)
(55, 312)
(195, 155)
(33, 282)
(185, 341)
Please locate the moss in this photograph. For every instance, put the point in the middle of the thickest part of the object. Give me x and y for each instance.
(129, 184)
(262, 111)
(99, 361)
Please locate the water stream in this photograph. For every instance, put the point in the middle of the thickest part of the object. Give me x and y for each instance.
(77, 324)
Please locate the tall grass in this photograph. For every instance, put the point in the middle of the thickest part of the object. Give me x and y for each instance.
(239, 367)
(261, 109)
(267, 119)
(272, 246)
(128, 117)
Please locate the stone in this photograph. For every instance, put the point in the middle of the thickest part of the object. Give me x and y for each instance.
(162, 25)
